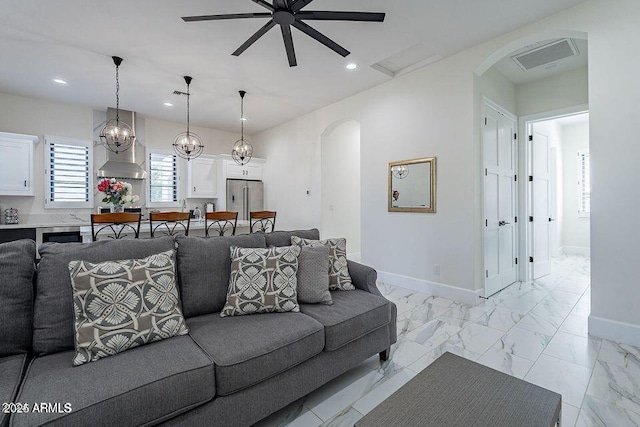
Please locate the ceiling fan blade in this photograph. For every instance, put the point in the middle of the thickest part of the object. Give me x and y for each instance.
(288, 44)
(261, 32)
(229, 16)
(280, 4)
(341, 16)
(315, 34)
(299, 4)
(264, 4)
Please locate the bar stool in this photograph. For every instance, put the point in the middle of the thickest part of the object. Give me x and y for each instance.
(222, 222)
(119, 224)
(262, 222)
(169, 223)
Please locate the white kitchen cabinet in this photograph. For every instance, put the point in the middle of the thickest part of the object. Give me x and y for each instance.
(252, 171)
(202, 174)
(16, 164)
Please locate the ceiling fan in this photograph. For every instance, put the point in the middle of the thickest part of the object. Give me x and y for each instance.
(288, 13)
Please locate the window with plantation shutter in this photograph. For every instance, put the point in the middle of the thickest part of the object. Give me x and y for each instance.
(69, 166)
(163, 179)
(584, 183)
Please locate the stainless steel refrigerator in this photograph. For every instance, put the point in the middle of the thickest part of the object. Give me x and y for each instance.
(244, 196)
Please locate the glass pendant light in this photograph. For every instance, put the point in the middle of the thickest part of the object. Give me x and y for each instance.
(400, 172)
(242, 149)
(117, 136)
(187, 144)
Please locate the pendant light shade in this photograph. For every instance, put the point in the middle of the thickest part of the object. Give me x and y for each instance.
(117, 136)
(187, 144)
(242, 149)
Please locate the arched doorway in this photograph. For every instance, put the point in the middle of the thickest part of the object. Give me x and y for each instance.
(340, 184)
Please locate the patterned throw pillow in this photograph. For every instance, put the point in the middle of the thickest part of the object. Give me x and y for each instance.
(119, 305)
(262, 281)
(339, 278)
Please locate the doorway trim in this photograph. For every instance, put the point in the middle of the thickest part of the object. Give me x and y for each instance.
(525, 203)
(485, 104)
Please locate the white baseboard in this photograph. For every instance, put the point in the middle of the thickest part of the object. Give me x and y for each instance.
(465, 296)
(613, 330)
(575, 250)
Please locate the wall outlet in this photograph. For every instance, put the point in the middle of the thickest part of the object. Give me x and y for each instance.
(436, 269)
(332, 208)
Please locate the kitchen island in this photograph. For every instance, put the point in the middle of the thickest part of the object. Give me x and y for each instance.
(196, 229)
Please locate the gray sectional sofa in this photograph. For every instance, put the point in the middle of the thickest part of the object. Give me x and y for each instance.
(230, 371)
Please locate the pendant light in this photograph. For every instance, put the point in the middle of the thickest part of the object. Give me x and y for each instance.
(117, 136)
(400, 172)
(187, 144)
(242, 149)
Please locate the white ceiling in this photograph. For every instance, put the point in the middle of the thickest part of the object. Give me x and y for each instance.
(74, 39)
(508, 67)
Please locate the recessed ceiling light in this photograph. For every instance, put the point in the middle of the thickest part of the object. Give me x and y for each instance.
(60, 81)
(168, 104)
(352, 66)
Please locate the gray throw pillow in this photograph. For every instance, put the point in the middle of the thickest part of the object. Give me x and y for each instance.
(262, 281)
(119, 305)
(313, 275)
(339, 278)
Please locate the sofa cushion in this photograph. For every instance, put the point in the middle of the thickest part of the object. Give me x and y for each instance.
(313, 275)
(283, 238)
(138, 387)
(339, 278)
(249, 349)
(120, 305)
(352, 315)
(11, 369)
(204, 266)
(262, 280)
(17, 266)
(53, 311)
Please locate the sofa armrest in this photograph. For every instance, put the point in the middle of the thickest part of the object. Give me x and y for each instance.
(363, 277)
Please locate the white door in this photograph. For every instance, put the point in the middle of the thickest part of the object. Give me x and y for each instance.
(541, 203)
(499, 145)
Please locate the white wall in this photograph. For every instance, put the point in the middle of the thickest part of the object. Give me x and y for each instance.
(564, 90)
(340, 187)
(432, 111)
(576, 230)
(40, 117)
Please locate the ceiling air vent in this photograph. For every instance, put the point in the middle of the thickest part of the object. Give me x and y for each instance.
(543, 55)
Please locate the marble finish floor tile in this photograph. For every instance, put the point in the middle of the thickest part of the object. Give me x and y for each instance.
(616, 385)
(523, 343)
(569, 285)
(433, 333)
(521, 305)
(405, 352)
(568, 379)
(572, 348)
(550, 307)
(564, 297)
(543, 324)
(467, 312)
(569, 415)
(438, 351)
(500, 319)
(383, 390)
(576, 325)
(506, 362)
(423, 314)
(624, 355)
(595, 412)
(346, 418)
(475, 338)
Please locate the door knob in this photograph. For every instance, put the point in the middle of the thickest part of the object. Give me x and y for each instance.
(551, 219)
(501, 223)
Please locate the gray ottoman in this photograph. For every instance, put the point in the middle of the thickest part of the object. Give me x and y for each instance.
(454, 391)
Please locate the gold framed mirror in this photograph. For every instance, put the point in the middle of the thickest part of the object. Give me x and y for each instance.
(412, 185)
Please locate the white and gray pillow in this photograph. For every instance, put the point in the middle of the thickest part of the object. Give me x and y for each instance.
(339, 278)
(119, 305)
(313, 275)
(262, 281)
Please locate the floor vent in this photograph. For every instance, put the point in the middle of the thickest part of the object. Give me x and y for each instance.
(543, 55)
